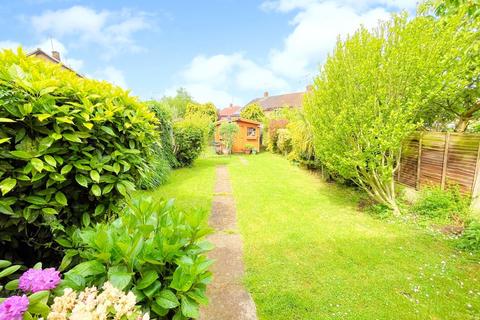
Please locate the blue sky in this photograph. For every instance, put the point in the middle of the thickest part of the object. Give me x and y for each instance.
(219, 50)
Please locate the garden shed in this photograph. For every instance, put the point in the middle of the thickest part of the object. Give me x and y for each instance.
(248, 134)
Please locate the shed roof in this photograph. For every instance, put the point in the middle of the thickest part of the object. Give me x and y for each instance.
(239, 120)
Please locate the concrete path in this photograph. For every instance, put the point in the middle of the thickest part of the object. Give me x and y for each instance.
(228, 298)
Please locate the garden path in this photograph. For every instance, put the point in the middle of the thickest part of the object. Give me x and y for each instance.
(228, 297)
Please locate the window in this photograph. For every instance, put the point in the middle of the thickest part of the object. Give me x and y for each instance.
(251, 132)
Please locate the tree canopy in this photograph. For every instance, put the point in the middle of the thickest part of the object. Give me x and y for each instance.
(253, 112)
(379, 85)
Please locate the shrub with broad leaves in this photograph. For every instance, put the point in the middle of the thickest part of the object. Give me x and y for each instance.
(153, 250)
(70, 150)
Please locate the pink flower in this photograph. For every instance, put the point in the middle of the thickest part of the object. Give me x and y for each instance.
(34, 280)
(13, 308)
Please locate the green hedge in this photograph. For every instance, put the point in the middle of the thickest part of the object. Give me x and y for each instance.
(189, 140)
(70, 150)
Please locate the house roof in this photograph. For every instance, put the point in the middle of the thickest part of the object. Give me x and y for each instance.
(230, 111)
(284, 100)
(40, 52)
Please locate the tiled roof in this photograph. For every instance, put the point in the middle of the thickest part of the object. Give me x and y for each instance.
(40, 52)
(284, 100)
(230, 111)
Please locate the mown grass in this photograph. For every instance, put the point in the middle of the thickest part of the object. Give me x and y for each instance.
(311, 255)
(192, 187)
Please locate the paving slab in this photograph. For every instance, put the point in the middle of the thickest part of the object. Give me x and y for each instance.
(229, 300)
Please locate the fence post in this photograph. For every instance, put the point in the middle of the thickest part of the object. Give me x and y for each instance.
(419, 161)
(445, 158)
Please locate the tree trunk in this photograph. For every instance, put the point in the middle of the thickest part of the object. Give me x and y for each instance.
(461, 125)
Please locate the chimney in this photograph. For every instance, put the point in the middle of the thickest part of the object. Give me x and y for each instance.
(265, 94)
(231, 105)
(56, 55)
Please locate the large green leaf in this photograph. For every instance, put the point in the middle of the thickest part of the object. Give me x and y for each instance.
(8, 271)
(190, 308)
(147, 279)
(119, 279)
(88, 268)
(21, 154)
(167, 299)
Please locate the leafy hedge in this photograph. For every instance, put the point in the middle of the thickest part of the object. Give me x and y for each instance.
(70, 150)
(189, 140)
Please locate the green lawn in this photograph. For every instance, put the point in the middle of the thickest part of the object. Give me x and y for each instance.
(310, 254)
(192, 187)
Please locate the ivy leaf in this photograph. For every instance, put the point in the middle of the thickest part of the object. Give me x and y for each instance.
(3, 140)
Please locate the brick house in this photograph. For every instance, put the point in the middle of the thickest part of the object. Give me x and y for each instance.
(230, 113)
(271, 104)
(53, 58)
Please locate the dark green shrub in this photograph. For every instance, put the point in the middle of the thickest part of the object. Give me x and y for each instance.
(189, 140)
(162, 158)
(443, 205)
(153, 250)
(470, 239)
(165, 126)
(70, 150)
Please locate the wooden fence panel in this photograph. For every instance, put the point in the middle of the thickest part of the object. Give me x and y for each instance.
(441, 159)
(433, 149)
(462, 160)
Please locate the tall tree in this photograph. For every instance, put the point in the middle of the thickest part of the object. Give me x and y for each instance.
(253, 112)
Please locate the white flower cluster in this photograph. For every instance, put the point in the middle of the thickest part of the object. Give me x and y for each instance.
(90, 304)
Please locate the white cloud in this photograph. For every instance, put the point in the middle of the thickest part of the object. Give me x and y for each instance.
(112, 30)
(217, 77)
(7, 44)
(112, 75)
(316, 29)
